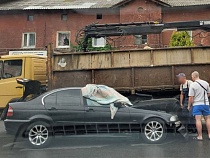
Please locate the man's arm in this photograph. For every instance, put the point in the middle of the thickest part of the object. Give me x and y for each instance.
(208, 90)
(190, 102)
(191, 97)
(181, 99)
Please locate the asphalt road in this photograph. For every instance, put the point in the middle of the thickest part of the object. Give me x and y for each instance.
(102, 147)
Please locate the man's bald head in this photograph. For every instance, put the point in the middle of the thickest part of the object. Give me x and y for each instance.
(195, 75)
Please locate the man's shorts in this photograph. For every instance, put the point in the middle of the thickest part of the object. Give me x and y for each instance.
(201, 110)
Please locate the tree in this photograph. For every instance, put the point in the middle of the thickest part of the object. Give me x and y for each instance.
(181, 38)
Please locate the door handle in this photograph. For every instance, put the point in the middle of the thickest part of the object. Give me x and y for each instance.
(52, 109)
(19, 87)
(90, 110)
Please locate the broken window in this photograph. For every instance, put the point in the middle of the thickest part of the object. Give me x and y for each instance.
(63, 39)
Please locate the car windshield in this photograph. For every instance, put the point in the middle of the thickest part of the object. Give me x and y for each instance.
(104, 78)
(11, 68)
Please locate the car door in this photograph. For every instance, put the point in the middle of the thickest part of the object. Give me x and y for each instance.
(65, 107)
(99, 116)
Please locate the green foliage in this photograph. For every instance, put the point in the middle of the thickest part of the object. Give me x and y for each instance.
(181, 38)
(79, 47)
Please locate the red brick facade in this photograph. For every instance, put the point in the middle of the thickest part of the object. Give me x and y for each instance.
(46, 23)
(187, 14)
(141, 11)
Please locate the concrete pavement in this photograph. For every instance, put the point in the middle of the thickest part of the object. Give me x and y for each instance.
(100, 147)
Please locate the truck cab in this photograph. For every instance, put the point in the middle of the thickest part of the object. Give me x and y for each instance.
(32, 67)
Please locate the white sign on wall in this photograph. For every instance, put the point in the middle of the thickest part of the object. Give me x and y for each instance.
(37, 52)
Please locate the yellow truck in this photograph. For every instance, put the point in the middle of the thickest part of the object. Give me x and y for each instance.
(27, 66)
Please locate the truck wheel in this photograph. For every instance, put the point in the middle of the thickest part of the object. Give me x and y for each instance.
(154, 131)
(39, 134)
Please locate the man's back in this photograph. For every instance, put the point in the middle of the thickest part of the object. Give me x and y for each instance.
(199, 89)
(198, 96)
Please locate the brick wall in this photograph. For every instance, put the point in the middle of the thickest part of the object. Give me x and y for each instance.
(187, 14)
(141, 11)
(46, 24)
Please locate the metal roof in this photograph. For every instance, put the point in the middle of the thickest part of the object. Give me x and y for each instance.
(57, 4)
(183, 3)
(85, 4)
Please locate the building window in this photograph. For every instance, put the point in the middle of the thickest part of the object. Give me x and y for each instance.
(63, 39)
(99, 16)
(30, 17)
(140, 39)
(64, 17)
(29, 40)
(190, 34)
(99, 42)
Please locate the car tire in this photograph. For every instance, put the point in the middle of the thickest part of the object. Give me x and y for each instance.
(154, 131)
(39, 134)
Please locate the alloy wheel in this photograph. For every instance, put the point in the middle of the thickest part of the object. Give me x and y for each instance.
(38, 135)
(154, 131)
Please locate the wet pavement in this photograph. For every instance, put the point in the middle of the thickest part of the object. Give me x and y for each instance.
(101, 147)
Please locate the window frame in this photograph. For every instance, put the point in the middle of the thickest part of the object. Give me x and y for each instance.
(28, 37)
(190, 33)
(99, 16)
(21, 70)
(98, 45)
(57, 39)
(141, 40)
(30, 17)
(61, 90)
(145, 42)
(64, 15)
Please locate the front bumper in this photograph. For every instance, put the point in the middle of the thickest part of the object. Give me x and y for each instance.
(15, 127)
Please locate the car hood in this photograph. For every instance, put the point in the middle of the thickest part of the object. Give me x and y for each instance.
(150, 113)
(169, 105)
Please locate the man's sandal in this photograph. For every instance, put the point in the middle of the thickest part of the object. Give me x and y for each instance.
(196, 138)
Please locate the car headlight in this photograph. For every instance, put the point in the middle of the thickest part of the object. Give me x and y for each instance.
(173, 118)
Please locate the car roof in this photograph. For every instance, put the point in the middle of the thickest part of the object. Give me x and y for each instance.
(67, 88)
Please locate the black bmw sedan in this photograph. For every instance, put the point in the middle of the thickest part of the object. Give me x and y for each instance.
(67, 112)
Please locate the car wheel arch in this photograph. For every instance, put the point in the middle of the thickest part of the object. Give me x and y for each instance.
(37, 118)
(43, 118)
(153, 117)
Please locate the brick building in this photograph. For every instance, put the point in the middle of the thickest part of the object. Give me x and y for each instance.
(34, 24)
